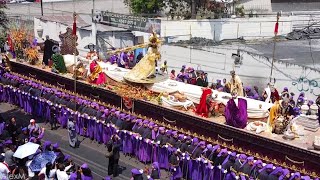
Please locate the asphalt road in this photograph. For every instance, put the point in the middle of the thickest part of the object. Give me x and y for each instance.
(300, 52)
(89, 151)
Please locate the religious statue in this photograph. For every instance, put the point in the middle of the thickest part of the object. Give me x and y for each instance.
(96, 75)
(79, 70)
(48, 50)
(146, 66)
(236, 84)
(58, 62)
(292, 131)
(271, 94)
(236, 116)
(92, 53)
(69, 43)
(206, 107)
(280, 115)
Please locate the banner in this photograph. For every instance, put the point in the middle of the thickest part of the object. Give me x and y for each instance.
(133, 23)
(127, 104)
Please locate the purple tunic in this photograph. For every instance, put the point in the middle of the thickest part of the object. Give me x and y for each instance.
(236, 116)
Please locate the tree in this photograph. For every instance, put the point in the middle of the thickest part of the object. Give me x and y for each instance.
(3, 16)
(145, 7)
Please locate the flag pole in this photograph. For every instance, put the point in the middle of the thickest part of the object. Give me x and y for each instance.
(274, 44)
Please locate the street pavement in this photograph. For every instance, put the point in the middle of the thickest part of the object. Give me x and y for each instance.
(300, 52)
(89, 152)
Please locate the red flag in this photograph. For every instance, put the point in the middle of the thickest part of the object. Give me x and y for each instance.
(74, 29)
(276, 27)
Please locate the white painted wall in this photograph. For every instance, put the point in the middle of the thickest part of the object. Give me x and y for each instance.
(220, 29)
(255, 70)
(257, 5)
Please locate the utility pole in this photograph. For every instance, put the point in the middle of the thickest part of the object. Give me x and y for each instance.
(274, 44)
(94, 26)
(41, 7)
(193, 9)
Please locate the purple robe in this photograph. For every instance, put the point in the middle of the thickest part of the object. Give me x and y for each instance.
(208, 172)
(107, 133)
(145, 150)
(236, 116)
(127, 143)
(163, 157)
(98, 132)
(83, 177)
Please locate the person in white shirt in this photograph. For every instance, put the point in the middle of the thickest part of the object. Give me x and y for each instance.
(62, 172)
(49, 171)
(30, 172)
(4, 169)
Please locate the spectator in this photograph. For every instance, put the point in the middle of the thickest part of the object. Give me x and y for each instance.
(8, 157)
(114, 155)
(62, 171)
(30, 172)
(4, 169)
(200, 81)
(33, 125)
(12, 129)
(205, 79)
(49, 171)
(164, 68)
(173, 74)
(139, 57)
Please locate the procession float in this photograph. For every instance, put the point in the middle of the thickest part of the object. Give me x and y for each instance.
(236, 122)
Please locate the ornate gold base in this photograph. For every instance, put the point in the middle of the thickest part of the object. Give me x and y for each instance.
(158, 78)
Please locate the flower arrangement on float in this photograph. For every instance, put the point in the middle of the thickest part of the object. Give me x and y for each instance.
(32, 55)
(21, 39)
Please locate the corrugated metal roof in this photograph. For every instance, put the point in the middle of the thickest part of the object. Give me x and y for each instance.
(65, 19)
(104, 28)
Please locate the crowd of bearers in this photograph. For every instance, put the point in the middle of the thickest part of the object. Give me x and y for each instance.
(183, 156)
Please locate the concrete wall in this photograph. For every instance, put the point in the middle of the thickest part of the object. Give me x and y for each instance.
(220, 29)
(256, 5)
(255, 70)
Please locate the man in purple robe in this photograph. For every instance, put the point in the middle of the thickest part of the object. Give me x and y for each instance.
(137, 174)
(223, 154)
(257, 166)
(265, 172)
(195, 162)
(245, 168)
(239, 161)
(275, 174)
(86, 172)
(175, 169)
(227, 167)
(285, 174)
(163, 152)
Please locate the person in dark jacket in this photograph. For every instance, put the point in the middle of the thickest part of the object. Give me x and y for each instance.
(12, 129)
(114, 155)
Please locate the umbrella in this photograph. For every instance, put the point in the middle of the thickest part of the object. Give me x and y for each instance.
(40, 160)
(26, 150)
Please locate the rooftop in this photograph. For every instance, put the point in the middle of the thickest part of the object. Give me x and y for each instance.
(83, 22)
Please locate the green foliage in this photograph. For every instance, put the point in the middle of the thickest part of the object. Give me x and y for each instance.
(3, 16)
(240, 11)
(145, 7)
